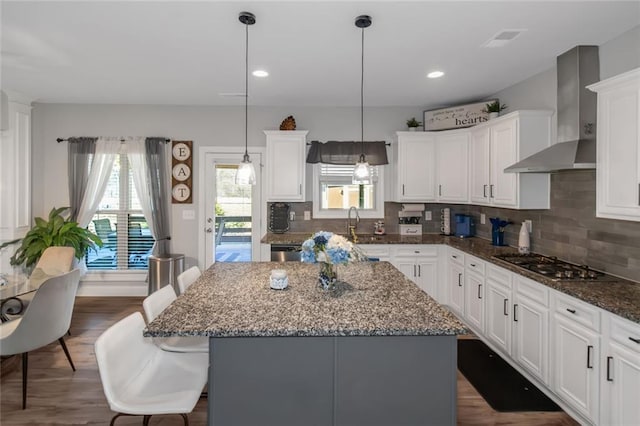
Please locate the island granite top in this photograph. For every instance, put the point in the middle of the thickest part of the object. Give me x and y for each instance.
(371, 299)
(620, 296)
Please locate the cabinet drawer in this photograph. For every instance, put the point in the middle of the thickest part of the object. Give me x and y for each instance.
(625, 332)
(417, 250)
(456, 256)
(472, 263)
(577, 311)
(376, 250)
(499, 275)
(532, 290)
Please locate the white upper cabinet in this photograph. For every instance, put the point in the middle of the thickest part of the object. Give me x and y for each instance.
(618, 147)
(285, 165)
(452, 166)
(479, 177)
(415, 166)
(498, 144)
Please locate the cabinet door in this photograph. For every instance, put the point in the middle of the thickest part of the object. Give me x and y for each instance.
(498, 325)
(530, 322)
(576, 354)
(456, 287)
(427, 271)
(285, 164)
(474, 300)
(408, 267)
(416, 171)
(618, 164)
(503, 152)
(622, 381)
(479, 166)
(452, 164)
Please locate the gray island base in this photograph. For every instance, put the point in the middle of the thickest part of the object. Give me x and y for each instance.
(366, 380)
(378, 351)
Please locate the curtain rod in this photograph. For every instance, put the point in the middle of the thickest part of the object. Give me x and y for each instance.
(121, 140)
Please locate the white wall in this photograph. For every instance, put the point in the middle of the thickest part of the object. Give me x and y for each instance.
(540, 91)
(206, 126)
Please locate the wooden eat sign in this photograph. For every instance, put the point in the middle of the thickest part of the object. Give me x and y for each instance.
(181, 172)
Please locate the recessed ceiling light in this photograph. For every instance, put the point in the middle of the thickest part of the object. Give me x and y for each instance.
(260, 73)
(435, 74)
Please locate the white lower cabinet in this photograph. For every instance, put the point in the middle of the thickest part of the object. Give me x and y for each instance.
(498, 306)
(531, 327)
(474, 287)
(455, 281)
(620, 378)
(576, 354)
(419, 264)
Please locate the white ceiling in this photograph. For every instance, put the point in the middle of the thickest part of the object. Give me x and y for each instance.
(187, 53)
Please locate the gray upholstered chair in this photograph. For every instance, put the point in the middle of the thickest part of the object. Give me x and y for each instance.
(46, 319)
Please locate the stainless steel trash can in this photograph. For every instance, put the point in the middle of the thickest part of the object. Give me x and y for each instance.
(164, 270)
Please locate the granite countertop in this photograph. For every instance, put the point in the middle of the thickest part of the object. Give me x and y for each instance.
(621, 297)
(372, 299)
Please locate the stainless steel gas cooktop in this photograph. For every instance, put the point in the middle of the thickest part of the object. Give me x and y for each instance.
(553, 268)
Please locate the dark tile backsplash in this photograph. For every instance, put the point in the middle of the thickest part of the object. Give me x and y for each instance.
(568, 230)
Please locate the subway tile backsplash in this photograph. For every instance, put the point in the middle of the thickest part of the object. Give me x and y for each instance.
(568, 230)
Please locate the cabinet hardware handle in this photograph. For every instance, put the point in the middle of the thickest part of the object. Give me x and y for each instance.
(414, 270)
(634, 340)
(609, 378)
(419, 271)
(589, 348)
(490, 191)
(417, 251)
(473, 264)
(573, 311)
(484, 191)
(459, 279)
(439, 189)
(506, 312)
(403, 189)
(300, 190)
(479, 287)
(515, 312)
(639, 194)
(454, 256)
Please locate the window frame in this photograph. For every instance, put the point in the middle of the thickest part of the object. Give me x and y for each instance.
(376, 213)
(123, 215)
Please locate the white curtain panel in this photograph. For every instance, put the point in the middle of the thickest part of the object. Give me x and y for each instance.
(106, 151)
(136, 155)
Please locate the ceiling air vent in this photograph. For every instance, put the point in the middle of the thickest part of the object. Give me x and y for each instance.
(502, 38)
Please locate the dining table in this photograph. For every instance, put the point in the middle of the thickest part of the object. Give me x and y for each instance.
(12, 286)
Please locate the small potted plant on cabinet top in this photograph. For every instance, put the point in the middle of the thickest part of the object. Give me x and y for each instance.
(494, 109)
(413, 124)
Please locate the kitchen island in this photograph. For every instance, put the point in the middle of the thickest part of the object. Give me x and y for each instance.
(376, 351)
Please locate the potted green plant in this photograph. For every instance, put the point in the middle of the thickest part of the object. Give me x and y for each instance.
(413, 124)
(57, 231)
(494, 109)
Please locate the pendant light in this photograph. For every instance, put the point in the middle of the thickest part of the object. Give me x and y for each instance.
(361, 172)
(246, 174)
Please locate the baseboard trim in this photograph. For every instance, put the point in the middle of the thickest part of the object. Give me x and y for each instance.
(112, 288)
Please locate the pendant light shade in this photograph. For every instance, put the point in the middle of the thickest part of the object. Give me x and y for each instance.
(246, 174)
(361, 171)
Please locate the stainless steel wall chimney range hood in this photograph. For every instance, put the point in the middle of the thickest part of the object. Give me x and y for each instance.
(576, 147)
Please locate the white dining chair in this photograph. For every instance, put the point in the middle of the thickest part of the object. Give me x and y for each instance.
(157, 302)
(54, 261)
(46, 319)
(188, 277)
(140, 379)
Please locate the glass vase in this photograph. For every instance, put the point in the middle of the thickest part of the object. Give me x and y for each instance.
(327, 276)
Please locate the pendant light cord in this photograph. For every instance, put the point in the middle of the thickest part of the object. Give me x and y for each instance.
(246, 92)
(362, 97)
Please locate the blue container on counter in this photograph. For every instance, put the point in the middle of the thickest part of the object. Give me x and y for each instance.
(465, 226)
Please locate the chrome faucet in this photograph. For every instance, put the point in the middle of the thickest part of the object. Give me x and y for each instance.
(351, 228)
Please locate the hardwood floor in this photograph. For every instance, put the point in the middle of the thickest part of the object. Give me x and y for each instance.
(58, 396)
